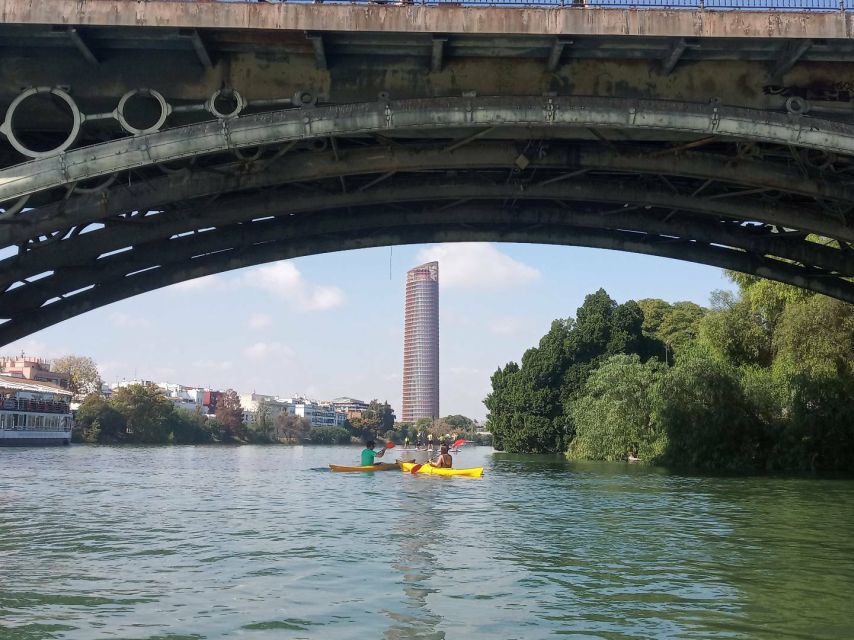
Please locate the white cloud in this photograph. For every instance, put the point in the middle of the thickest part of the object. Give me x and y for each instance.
(127, 321)
(463, 371)
(284, 280)
(266, 350)
(198, 284)
(505, 326)
(34, 348)
(260, 321)
(213, 365)
(470, 265)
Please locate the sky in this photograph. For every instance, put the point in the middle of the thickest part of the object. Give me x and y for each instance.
(332, 325)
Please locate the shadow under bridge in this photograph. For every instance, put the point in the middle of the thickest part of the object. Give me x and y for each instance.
(760, 192)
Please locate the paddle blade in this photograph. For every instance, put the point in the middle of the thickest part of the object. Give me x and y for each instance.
(389, 445)
(458, 443)
(415, 468)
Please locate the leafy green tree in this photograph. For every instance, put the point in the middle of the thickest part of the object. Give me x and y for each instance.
(329, 435)
(264, 428)
(701, 407)
(84, 378)
(614, 414)
(459, 423)
(97, 421)
(294, 429)
(146, 411)
(552, 374)
(734, 332)
(189, 427)
(229, 414)
(654, 311)
(767, 299)
(815, 336)
(819, 432)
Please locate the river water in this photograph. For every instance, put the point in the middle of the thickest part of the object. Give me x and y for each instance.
(256, 542)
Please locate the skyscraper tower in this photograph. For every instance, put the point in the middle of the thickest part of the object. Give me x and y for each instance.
(421, 344)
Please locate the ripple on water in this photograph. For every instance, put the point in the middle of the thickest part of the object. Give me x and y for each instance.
(208, 542)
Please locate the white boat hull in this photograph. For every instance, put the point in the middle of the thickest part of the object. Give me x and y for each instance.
(18, 438)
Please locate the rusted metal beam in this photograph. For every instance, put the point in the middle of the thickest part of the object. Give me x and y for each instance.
(430, 116)
(81, 45)
(83, 209)
(316, 40)
(199, 47)
(555, 53)
(789, 55)
(326, 239)
(436, 61)
(239, 209)
(672, 58)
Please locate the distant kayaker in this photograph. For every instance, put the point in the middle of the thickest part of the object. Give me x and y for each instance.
(368, 454)
(444, 461)
(406, 442)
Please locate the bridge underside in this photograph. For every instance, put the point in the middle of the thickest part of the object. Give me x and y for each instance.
(195, 179)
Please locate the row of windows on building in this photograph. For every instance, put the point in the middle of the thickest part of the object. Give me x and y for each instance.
(33, 421)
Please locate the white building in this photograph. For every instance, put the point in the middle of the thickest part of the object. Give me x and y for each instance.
(273, 405)
(190, 399)
(320, 415)
(348, 405)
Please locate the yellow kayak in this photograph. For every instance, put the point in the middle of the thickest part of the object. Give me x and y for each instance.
(473, 472)
(384, 466)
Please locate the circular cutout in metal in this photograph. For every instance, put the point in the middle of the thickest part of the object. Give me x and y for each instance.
(8, 127)
(304, 99)
(225, 103)
(797, 105)
(121, 114)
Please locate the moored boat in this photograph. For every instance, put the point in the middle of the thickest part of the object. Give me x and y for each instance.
(383, 466)
(33, 413)
(472, 472)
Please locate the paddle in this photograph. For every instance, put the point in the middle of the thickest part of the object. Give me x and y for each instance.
(458, 443)
(416, 468)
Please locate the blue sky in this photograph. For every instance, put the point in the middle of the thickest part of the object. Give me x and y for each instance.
(332, 325)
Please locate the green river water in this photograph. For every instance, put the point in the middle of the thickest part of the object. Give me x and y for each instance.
(255, 542)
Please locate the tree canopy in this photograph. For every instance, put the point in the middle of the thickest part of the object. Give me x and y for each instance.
(83, 374)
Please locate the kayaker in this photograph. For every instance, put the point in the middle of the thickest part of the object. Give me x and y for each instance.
(444, 461)
(368, 454)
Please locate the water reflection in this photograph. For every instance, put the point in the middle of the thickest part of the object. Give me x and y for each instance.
(418, 529)
(135, 542)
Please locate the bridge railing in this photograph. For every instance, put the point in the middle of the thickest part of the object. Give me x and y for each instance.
(695, 5)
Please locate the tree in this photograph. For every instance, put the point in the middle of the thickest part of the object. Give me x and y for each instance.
(613, 415)
(815, 336)
(552, 374)
(735, 333)
(146, 411)
(263, 429)
(292, 428)
(459, 423)
(84, 378)
(97, 421)
(329, 435)
(701, 407)
(229, 414)
(189, 428)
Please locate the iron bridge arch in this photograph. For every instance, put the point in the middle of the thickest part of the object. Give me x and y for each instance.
(757, 191)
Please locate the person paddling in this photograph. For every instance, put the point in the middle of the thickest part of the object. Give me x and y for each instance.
(368, 454)
(444, 461)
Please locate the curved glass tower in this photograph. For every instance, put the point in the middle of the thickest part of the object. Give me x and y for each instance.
(421, 344)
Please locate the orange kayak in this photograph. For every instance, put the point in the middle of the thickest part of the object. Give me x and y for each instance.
(384, 466)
